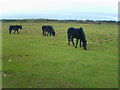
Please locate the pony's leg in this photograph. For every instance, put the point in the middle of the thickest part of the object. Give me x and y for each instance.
(72, 41)
(14, 31)
(47, 33)
(69, 37)
(76, 43)
(17, 32)
(10, 31)
(50, 34)
(80, 43)
(43, 33)
(68, 40)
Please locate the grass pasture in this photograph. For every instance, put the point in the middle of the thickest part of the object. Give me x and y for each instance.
(48, 62)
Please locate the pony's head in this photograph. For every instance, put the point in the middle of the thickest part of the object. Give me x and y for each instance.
(53, 33)
(19, 26)
(81, 28)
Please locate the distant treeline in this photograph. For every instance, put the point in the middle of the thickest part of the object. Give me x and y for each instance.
(60, 21)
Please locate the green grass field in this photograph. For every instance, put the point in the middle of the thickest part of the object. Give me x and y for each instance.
(48, 62)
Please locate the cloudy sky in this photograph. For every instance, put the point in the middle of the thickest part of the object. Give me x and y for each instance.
(59, 9)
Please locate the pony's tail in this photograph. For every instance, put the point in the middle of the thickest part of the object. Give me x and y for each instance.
(10, 30)
(69, 35)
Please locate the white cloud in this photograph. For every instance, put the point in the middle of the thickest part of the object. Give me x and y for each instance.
(57, 6)
(23, 5)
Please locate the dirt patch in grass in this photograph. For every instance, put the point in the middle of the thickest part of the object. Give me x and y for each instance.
(20, 56)
(10, 57)
(66, 84)
(15, 56)
(53, 44)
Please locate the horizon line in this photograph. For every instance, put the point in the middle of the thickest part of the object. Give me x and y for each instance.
(54, 19)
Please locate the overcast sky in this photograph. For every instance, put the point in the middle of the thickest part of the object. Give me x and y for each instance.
(59, 9)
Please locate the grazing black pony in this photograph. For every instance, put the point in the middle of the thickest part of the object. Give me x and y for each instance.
(15, 28)
(77, 33)
(48, 29)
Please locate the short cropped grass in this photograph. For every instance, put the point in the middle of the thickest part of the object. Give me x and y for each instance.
(33, 61)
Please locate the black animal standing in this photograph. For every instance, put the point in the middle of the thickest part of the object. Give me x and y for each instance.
(77, 33)
(48, 30)
(15, 28)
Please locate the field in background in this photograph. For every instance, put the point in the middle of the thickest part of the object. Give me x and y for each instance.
(33, 61)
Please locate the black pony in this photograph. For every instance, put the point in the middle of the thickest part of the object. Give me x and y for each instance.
(15, 28)
(48, 29)
(77, 33)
